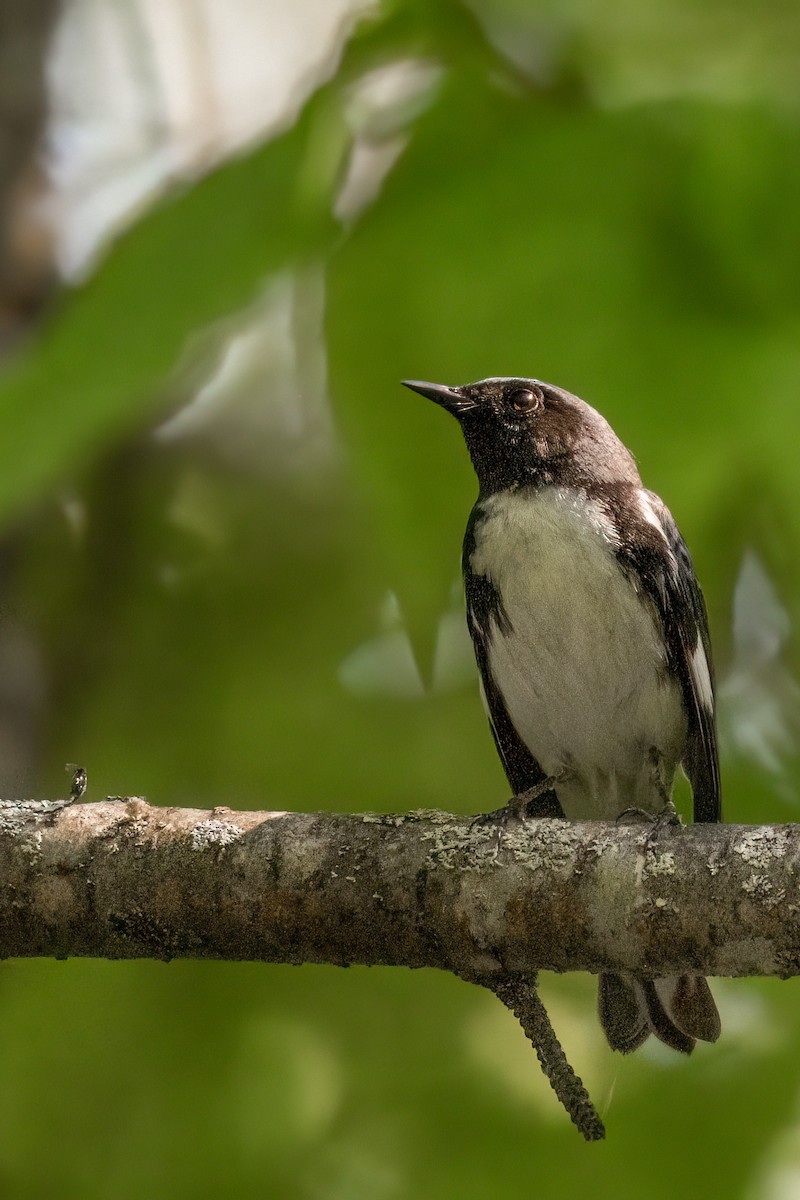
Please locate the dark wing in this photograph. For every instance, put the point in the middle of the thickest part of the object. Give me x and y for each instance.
(486, 618)
(663, 567)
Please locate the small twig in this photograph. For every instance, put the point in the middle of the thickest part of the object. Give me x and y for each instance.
(77, 792)
(518, 993)
(80, 781)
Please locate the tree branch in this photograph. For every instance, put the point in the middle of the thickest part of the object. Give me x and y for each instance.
(121, 879)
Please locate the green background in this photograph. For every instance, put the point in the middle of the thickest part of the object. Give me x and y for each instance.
(622, 220)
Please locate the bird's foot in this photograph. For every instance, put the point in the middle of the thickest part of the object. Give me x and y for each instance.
(658, 821)
(537, 801)
(633, 816)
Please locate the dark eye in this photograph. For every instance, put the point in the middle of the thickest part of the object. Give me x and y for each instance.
(525, 399)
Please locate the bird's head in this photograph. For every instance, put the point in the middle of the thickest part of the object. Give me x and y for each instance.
(523, 431)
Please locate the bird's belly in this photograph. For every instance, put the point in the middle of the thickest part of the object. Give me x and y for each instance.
(579, 661)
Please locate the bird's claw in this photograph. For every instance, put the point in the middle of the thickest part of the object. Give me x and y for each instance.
(536, 801)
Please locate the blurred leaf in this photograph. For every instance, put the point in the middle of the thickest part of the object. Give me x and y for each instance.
(98, 366)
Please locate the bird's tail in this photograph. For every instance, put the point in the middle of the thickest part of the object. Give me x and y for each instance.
(679, 1011)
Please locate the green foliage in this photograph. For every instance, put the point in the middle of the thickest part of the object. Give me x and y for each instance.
(194, 634)
(98, 368)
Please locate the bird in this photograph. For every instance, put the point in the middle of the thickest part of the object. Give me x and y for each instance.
(591, 638)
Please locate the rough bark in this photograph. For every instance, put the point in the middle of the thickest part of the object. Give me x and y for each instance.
(121, 879)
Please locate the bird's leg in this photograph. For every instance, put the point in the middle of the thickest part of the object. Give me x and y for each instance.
(659, 781)
(667, 814)
(537, 801)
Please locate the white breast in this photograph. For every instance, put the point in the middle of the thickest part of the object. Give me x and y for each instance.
(582, 672)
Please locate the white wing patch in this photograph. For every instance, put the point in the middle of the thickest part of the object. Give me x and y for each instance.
(701, 677)
(649, 513)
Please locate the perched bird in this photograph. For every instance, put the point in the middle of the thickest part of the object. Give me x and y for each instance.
(591, 638)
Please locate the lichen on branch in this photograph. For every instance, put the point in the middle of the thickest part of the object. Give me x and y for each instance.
(122, 879)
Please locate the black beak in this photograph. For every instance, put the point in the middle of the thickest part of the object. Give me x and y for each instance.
(453, 399)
